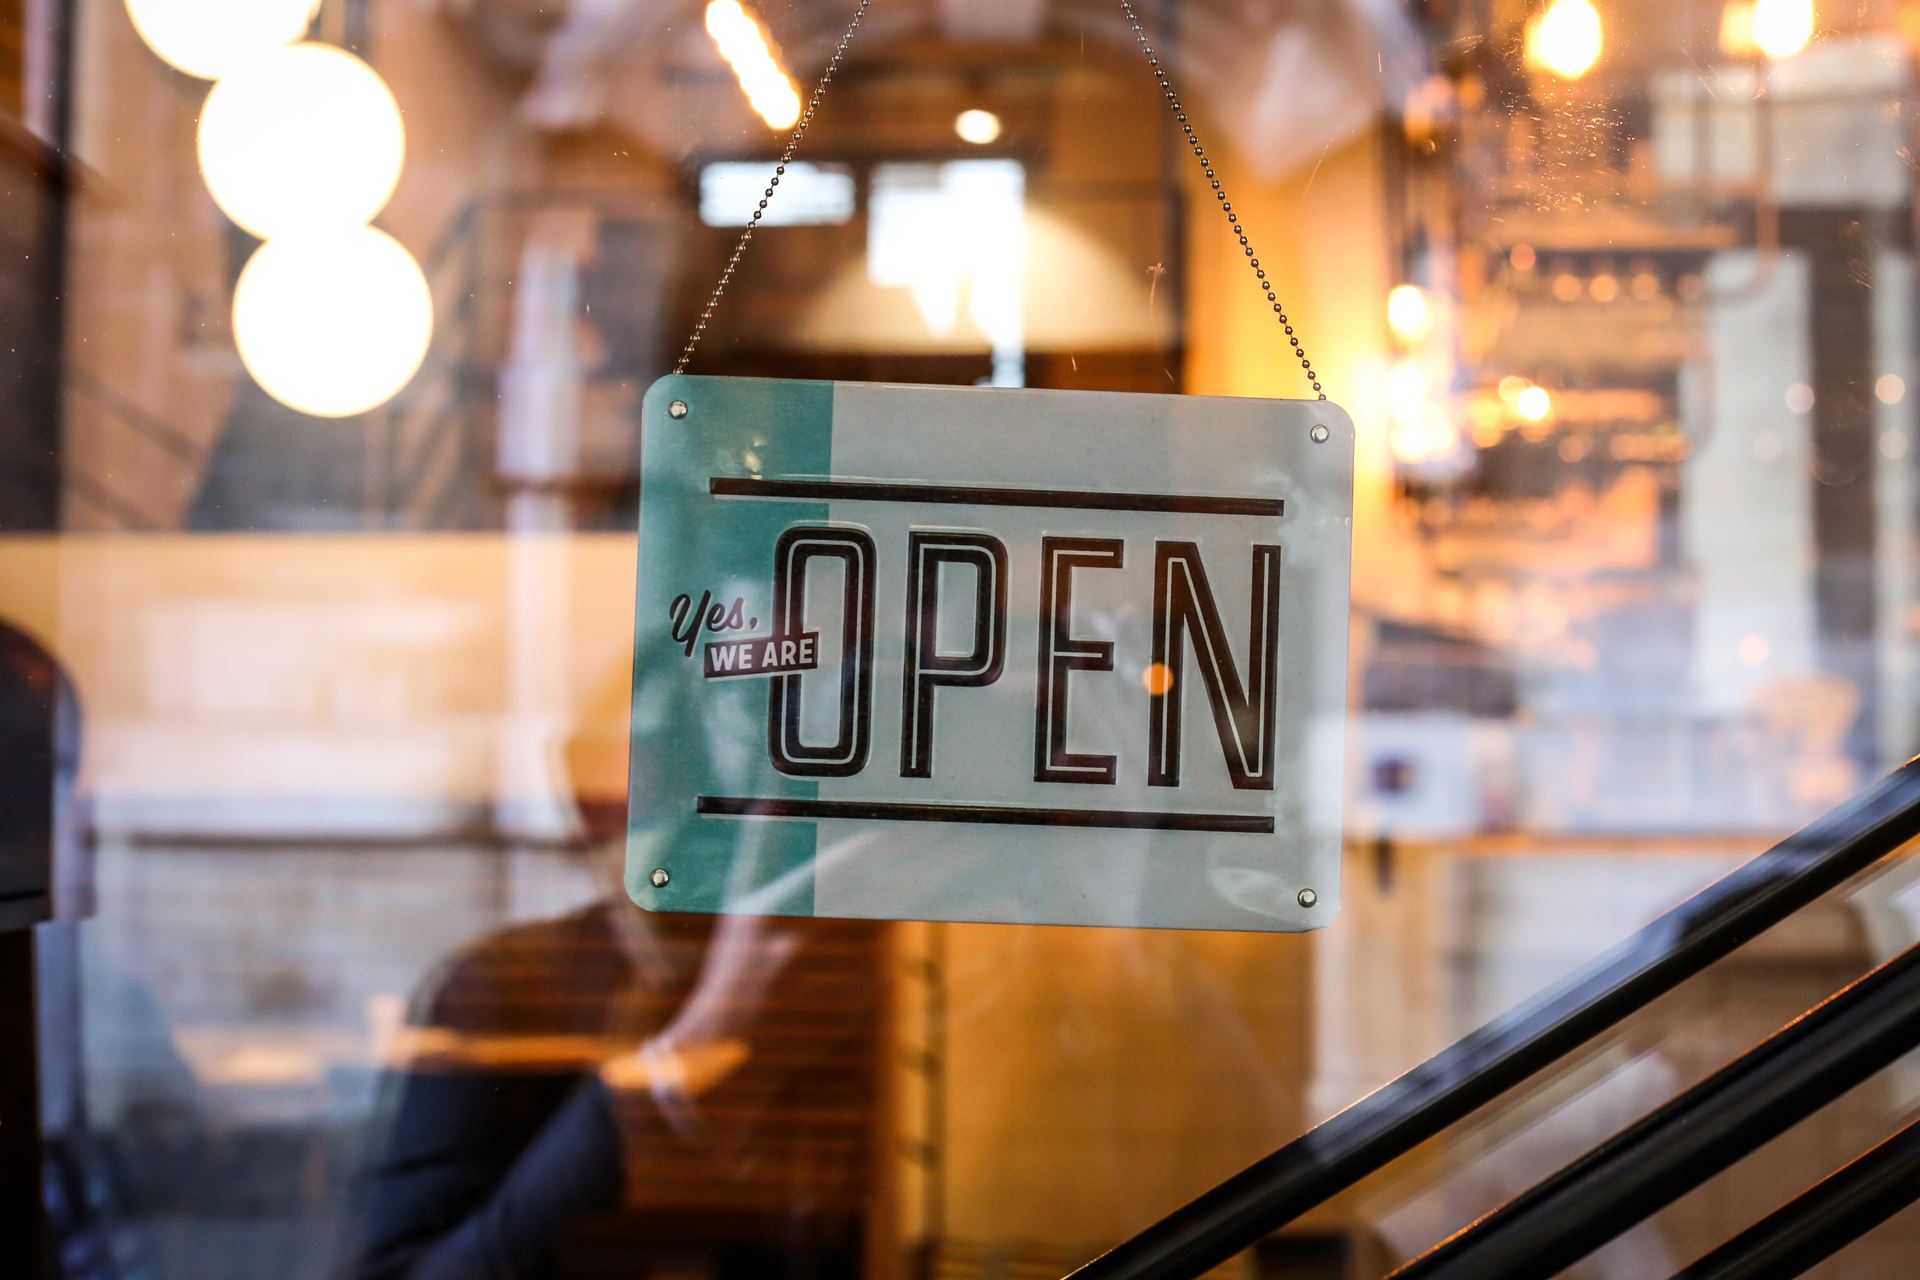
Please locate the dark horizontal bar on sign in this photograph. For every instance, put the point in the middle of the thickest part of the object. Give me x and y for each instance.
(966, 495)
(1001, 815)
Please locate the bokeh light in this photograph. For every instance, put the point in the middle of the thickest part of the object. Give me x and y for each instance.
(1407, 312)
(332, 323)
(977, 126)
(1423, 439)
(1781, 28)
(743, 43)
(1406, 391)
(299, 139)
(1566, 39)
(208, 38)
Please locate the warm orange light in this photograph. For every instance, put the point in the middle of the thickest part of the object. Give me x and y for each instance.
(1736, 29)
(1533, 404)
(1406, 391)
(209, 38)
(1423, 439)
(744, 44)
(1781, 28)
(1407, 313)
(977, 126)
(302, 138)
(1486, 420)
(1776, 28)
(1566, 39)
(1156, 679)
(334, 322)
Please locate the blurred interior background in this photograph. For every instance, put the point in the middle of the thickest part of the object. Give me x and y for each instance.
(334, 538)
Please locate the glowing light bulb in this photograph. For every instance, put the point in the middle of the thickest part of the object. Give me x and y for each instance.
(1781, 28)
(332, 323)
(1566, 39)
(207, 38)
(1533, 404)
(301, 138)
(1407, 313)
(977, 126)
(743, 43)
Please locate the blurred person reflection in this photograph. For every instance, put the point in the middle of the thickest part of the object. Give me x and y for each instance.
(619, 1092)
(114, 1138)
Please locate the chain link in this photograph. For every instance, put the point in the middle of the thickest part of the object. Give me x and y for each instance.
(779, 170)
(1179, 114)
(1226, 205)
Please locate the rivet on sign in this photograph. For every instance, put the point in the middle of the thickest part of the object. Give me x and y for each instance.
(1319, 433)
(1307, 896)
(659, 877)
(678, 409)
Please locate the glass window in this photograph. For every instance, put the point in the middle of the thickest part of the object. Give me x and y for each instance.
(327, 333)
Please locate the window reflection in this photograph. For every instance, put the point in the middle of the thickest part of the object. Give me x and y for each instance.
(1620, 296)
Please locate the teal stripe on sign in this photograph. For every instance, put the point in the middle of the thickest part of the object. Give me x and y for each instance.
(693, 737)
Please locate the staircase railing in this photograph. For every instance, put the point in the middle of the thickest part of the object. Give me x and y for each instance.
(1821, 1220)
(429, 457)
(176, 445)
(1645, 1167)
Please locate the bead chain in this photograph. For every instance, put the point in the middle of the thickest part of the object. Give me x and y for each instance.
(786, 158)
(1179, 114)
(1226, 206)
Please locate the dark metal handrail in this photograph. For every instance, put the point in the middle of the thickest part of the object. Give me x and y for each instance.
(176, 443)
(1466, 1076)
(1653, 1162)
(1818, 1222)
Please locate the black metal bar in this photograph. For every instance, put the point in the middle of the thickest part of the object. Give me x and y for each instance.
(153, 427)
(980, 495)
(90, 490)
(20, 1140)
(1653, 1162)
(1823, 1219)
(1466, 1076)
(991, 814)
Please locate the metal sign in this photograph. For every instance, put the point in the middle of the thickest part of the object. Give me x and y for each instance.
(968, 654)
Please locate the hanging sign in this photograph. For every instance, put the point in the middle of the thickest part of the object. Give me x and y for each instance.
(967, 654)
